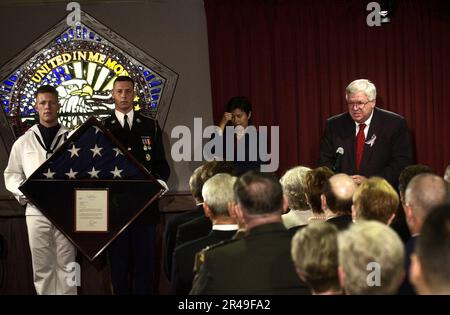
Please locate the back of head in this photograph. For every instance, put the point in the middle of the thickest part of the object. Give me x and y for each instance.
(218, 192)
(338, 191)
(362, 85)
(375, 199)
(315, 254)
(196, 183)
(259, 193)
(240, 102)
(293, 183)
(215, 167)
(409, 173)
(204, 172)
(314, 184)
(424, 192)
(371, 255)
(433, 250)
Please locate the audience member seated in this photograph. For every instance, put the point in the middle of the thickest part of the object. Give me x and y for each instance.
(375, 199)
(218, 199)
(260, 262)
(399, 224)
(314, 184)
(201, 225)
(293, 183)
(170, 233)
(337, 200)
(315, 256)
(370, 259)
(423, 193)
(430, 267)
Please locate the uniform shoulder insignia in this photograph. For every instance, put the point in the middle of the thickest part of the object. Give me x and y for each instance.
(216, 245)
(199, 260)
(200, 256)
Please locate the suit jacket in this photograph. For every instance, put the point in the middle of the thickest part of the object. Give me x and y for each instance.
(184, 257)
(258, 263)
(406, 287)
(170, 235)
(193, 230)
(389, 154)
(153, 159)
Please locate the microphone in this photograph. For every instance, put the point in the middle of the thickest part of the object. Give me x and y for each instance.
(337, 161)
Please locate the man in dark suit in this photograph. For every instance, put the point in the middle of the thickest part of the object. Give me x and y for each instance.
(201, 225)
(336, 200)
(399, 224)
(170, 234)
(132, 255)
(430, 270)
(423, 193)
(218, 200)
(365, 141)
(260, 262)
(192, 230)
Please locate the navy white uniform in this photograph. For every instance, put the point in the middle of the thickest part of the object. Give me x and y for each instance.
(51, 251)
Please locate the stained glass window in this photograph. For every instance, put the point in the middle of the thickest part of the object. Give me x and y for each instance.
(82, 63)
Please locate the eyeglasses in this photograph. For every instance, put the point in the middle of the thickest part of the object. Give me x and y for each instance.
(357, 104)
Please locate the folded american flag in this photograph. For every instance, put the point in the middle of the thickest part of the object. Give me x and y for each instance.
(91, 159)
(89, 154)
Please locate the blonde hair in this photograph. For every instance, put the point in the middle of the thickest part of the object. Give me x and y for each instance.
(375, 199)
(293, 183)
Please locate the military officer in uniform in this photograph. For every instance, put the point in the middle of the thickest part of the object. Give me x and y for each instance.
(260, 262)
(132, 254)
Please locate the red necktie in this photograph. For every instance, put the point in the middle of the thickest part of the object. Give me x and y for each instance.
(360, 139)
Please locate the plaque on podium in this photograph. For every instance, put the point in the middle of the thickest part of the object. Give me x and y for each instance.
(91, 188)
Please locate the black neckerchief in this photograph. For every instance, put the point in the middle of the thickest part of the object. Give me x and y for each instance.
(48, 135)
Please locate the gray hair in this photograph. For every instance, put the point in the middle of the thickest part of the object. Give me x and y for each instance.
(293, 183)
(424, 192)
(218, 192)
(314, 250)
(367, 242)
(362, 85)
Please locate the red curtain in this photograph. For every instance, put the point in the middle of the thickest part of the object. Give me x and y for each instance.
(294, 58)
